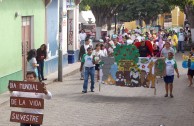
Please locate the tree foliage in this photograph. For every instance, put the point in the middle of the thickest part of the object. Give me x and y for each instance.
(103, 9)
(147, 10)
(84, 7)
(126, 52)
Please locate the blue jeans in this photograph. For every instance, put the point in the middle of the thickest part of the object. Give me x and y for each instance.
(40, 70)
(181, 46)
(82, 72)
(88, 71)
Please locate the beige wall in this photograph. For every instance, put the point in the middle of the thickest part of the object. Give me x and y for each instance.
(178, 19)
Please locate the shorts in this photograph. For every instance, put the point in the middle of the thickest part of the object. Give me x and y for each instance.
(97, 67)
(169, 79)
(190, 72)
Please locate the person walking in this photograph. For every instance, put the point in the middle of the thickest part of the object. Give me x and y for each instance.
(171, 65)
(31, 77)
(174, 41)
(31, 61)
(41, 56)
(104, 51)
(167, 48)
(82, 36)
(83, 50)
(89, 65)
(181, 40)
(98, 54)
(144, 49)
(190, 72)
(156, 51)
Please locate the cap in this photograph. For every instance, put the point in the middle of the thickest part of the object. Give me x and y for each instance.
(101, 40)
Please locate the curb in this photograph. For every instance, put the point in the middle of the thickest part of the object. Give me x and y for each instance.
(48, 83)
(66, 75)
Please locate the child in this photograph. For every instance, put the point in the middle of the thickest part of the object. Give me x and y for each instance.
(98, 54)
(89, 64)
(171, 65)
(31, 77)
(190, 71)
(156, 51)
(103, 50)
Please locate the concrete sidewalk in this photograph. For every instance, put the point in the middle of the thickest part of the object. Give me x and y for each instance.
(67, 71)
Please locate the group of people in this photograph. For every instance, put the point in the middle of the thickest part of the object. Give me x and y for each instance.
(162, 44)
(35, 61)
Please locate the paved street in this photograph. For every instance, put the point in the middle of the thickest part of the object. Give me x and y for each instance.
(115, 106)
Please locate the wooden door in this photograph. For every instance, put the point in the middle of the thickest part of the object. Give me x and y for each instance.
(26, 42)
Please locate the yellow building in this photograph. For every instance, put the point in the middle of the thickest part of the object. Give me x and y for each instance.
(174, 19)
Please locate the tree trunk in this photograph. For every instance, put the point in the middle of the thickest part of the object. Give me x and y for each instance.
(100, 21)
(147, 21)
(191, 21)
(109, 24)
(190, 16)
(98, 33)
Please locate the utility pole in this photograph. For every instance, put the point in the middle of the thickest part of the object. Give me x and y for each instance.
(60, 51)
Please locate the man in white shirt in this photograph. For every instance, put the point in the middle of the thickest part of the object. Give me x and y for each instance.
(181, 40)
(89, 63)
(83, 50)
(82, 36)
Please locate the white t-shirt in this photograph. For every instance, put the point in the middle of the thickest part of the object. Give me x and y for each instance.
(30, 63)
(88, 60)
(82, 36)
(129, 42)
(97, 54)
(170, 66)
(181, 36)
(86, 47)
(104, 53)
(165, 51)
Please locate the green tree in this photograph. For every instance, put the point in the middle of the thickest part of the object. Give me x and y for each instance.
(84, 7)
(146, 10)
(103, 11)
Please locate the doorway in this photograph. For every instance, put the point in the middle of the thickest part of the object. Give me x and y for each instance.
(26, 41)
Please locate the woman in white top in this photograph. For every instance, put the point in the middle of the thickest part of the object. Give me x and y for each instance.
(31, 61)
(104, 51)
(97, 53)
(167, 48)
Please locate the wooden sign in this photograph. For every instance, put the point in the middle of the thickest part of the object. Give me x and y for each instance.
(35, 103)
(25, 86)
(26, 118)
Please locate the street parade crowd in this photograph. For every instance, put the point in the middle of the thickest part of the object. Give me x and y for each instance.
(164, 43)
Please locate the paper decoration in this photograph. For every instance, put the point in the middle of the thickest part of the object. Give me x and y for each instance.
(126, 52)
(160, 67)
(188, 62)
(151, 76)
(108, 69)
(130, 70)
